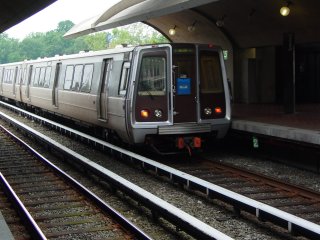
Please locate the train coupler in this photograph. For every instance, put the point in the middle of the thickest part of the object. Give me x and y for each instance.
(193, 142)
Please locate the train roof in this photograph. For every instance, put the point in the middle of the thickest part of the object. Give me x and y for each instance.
(81, 54)
(84, 54)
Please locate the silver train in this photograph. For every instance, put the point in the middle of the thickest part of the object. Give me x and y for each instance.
(172, 95)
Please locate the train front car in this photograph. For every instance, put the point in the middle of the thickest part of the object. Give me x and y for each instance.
(180, 96)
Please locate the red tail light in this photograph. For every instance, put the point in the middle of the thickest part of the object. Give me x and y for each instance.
(218, 110)
(180, 143)
(197, 142)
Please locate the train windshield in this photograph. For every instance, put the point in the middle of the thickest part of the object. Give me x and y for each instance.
(152, 77)
(210, 72)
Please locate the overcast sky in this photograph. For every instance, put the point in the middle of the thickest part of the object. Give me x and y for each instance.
(48, 19)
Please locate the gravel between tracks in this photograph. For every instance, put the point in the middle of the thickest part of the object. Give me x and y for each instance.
(270, 168)
(212, 214)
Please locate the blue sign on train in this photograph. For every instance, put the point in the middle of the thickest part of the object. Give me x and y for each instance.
(183, 86)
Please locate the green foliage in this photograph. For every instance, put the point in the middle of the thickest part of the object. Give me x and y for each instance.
(52, 42)
(96, 41)
(136, 34)
(8, 49)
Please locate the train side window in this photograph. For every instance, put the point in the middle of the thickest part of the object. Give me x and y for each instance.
(87, 78)
(31, 75)
(35, 77)
(68, 78)
(6, 75)
(77, 77)
(9, 74)
(24, 76)
(41, 77)
(19, 76)
(47, 77)
(124, 78)
(1, 75)
(12, 75)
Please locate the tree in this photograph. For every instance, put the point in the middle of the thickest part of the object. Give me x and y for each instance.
(96, 41)
(33, 46)
(136, 34)
(52, 42)
(9, 49)
(64, 26)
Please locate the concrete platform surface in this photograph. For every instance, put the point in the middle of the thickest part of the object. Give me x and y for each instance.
(301, 126)
(5, 233)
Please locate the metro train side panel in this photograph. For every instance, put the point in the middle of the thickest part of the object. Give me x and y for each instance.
(171, 91)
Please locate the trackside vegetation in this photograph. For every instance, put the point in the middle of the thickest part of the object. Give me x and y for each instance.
(51, 43)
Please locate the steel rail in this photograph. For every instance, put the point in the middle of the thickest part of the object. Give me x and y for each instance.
(261, 211)
(139, 234)
(159, 207)
(30, 223)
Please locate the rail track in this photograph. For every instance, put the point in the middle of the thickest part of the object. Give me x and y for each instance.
(240, 203)
(158, 207)
(302, 202)
(48, 201)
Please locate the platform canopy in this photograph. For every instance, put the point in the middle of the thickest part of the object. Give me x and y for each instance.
(13, 12)
(246, 23)
(126, 12)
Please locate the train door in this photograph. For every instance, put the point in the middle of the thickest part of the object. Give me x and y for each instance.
(103, 103)
(153, 83)
(16, 83)
(56, 85)
(1, 79)
(30, 74)
(185, 98)
(212, 99)
(22, 81)
(14, 80)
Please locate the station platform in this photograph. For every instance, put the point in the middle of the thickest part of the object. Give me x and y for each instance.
(5, 233)
(271, 120)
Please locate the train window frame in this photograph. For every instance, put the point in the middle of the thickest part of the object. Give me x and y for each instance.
(212, 81)
(5, 75)
(77, 77)
(124, 79)
(153, 92)
(42, 76)
(1, 75)
(68, 73)
(30, 75)
(19, 76)
(8, 76)
(35, 77)
(47, 77)
(24, 76)
(12, 76)
(85, 86)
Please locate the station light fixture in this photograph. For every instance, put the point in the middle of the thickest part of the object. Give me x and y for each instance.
(285, 10)
(220, 21)
(172, 31)
(192, 28)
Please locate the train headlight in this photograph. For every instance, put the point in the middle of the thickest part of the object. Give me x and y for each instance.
(207, 111)
(144, 113)
(158, 113)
